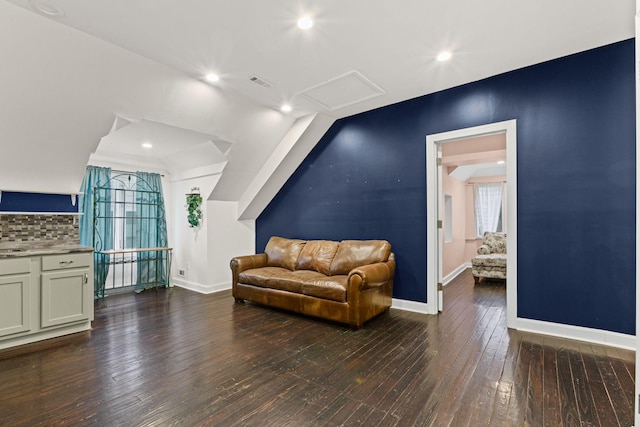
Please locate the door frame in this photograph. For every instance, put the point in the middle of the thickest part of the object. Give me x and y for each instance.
(434, 262)
(637, 388)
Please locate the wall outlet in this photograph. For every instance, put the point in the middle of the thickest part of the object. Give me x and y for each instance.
(181, 273)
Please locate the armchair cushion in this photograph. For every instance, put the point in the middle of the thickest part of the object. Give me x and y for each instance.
(497, 242)
(484, 250)
(490, 260)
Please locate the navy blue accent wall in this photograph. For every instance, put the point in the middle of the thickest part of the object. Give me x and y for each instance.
(366, 178)
(12, 201)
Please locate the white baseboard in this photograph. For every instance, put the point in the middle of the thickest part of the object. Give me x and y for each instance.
(595, 336)
(199, 287)
(449, 277)
(406, 305)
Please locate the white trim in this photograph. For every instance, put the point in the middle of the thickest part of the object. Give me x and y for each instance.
(637, 342)
(595, 336)
(449, 277)
(406, 305)
(509, 128)
(199, 287)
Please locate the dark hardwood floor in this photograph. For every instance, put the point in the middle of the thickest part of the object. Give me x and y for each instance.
(175, 357)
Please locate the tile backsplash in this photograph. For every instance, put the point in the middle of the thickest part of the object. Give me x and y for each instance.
(37, 227)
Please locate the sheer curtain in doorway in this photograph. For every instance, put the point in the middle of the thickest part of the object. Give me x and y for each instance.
(488, 201)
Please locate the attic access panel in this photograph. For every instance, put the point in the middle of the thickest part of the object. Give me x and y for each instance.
(342, 91)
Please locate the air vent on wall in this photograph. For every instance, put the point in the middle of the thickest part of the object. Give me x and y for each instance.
(261, 82)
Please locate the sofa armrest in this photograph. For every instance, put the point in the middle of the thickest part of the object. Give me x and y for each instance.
(372, 275)
(484, 250)
(242, 263)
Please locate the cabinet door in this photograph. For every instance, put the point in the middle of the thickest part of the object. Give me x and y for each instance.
(15, 304)
(64, 297)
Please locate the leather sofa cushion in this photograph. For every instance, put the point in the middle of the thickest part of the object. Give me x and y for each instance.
(356, 253)
(333, 288)
(317, 255)
(278, 278)
(283, 252)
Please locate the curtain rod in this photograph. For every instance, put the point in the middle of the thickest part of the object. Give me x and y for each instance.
(129, 172)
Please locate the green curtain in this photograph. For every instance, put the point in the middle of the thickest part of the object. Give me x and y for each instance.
(152, 231)
(96, 228)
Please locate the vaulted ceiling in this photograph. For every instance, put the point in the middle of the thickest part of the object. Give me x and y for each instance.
(393, 45)
(71, 67)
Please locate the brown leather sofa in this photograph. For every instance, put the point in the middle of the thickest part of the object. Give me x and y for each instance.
(349, 281)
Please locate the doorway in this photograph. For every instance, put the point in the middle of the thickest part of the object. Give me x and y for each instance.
(434, 213)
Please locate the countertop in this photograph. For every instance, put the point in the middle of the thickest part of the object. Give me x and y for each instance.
(36, 248)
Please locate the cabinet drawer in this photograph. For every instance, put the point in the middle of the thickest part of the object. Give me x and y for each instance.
(58, 262)
(15, 266)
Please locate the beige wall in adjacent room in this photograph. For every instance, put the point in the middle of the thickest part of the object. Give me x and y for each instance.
(453, 252)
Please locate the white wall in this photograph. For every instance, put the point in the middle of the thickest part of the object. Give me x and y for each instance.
(228, 237)
(190, 245)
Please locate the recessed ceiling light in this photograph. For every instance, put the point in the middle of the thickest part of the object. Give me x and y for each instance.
(500, 162)
(47, 9)
(285, 108)
(305, 23)
(147, 145)
(444, 56)
(212, 77)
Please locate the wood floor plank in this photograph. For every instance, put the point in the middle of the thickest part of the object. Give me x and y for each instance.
(568, 403)
(178, 358)
(534, 412)
(551, 400)
(603, 404)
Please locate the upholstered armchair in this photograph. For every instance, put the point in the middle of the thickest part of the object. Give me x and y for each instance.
(491, 261)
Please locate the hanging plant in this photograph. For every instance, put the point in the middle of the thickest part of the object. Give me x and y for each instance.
(194, 203)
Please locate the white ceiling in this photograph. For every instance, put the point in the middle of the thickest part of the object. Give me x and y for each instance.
(172, 149)
(65, 79)
(392, 44)
(466, 172)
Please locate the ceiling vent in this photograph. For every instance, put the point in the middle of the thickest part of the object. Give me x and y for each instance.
(261, 82)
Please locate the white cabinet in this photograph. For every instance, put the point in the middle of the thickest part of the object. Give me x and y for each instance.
(15, 296)
(66, 293)
(46, 296)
